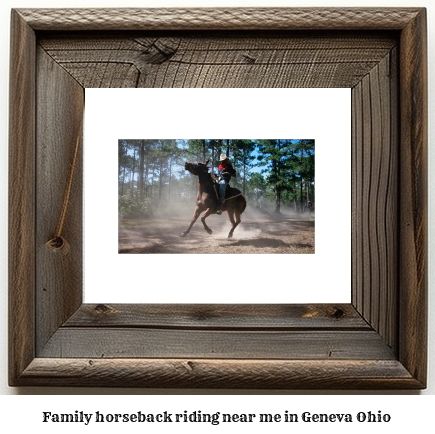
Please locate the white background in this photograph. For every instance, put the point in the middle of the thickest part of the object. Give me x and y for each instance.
(412, 413)
(320, 114)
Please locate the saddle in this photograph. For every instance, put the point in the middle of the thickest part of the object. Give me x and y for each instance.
(230, 192)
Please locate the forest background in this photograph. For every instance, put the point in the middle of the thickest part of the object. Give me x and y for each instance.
(274, 175)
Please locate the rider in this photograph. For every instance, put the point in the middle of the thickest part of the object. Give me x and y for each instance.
(226, 171)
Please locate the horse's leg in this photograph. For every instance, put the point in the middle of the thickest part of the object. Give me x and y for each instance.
(234, 223)
(204, 216)
(196, 214)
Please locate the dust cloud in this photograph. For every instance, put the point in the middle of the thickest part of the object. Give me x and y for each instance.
(259, 232)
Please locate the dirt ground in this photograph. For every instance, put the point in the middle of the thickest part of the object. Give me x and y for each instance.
(257, 233)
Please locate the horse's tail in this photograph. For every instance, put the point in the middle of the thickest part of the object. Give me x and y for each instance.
(244, 205)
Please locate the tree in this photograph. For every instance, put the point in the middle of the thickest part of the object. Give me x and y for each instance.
(305, 150)
(273, 158)
(276, 172)
(243, 159)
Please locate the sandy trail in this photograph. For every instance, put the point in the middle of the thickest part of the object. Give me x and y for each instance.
(258, 233)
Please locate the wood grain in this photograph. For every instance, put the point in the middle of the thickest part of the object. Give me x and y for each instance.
(21, 197)
(227, 374)
(60, 105)
(235, 60)
(220, 317)
(413, 186)
(220, 18)
(378, 342)
(95, 342)
(375, 198)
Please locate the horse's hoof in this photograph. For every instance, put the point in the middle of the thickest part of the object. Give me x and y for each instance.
(183, 235)
(210, 232)
(230, 236)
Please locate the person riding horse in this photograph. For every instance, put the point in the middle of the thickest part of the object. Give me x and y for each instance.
(226, 171)
(205, 201)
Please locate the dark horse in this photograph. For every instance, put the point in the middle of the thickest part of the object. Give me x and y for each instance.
(206, 199)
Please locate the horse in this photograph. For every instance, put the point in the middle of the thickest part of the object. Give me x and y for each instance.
(207, 198)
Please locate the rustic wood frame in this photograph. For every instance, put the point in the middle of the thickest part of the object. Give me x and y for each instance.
(378, 341)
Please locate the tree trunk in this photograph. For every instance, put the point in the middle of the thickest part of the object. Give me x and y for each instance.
(141, 164)
(219, 149)
(132, 173)
(120, 154)
(170, 178)
(277, 200)
(160, 179)
(147, 169)
(123, 181)
(302, 181)
(244, 173)
(277, 190)
(152, 184)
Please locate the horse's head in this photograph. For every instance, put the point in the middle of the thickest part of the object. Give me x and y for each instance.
(196, 168)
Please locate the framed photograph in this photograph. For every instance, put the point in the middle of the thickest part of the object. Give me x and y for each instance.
(150, 200)
(60, 335)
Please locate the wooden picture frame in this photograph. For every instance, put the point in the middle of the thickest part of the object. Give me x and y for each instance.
(376, 342)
